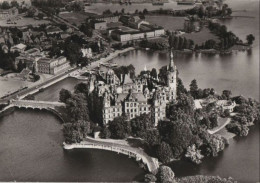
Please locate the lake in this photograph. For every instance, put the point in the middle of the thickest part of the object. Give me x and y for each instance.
(31, 150)
(99, 8)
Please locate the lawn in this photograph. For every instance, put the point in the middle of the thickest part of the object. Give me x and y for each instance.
(168, 22)
(201, 37)
(75, 17)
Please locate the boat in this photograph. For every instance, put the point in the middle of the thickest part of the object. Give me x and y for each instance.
(87, 4)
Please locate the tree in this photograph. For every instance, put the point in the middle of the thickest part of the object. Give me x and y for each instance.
(75, 132)
(145, 11)
(64, 95)
(86, 29)
(250, 39)
(180, 87)
(14, 4)
(77, 107)
(107, 12)
(150, 178)
(154, 73)
(215, 143)
(194, 88)
(120, 127)
(226, 94)
(141, 124)
(81, 88)
(72, 52)
(177, 135)
(105, 133)
(5, 5)
(194, 154)
(164, 152)
(165, 175)
(152, 137)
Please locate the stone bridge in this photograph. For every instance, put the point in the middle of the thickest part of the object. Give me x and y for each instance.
(36, 104)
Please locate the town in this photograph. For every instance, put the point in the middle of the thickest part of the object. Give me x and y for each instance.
(146, 113)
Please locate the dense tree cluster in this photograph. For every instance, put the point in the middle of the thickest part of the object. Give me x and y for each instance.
(248, 113)
(76, 131)
(154, 45)
(86, 29)
(6, 5)
(180, 43)
(7, 61)
(124, 70)
(71, 48)
(77, 112)
(227, 38)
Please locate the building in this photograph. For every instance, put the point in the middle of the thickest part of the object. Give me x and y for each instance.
(146, 31)
(52, 66)
(9, 13)
(100, 25)
(131, 97)
(53, 30)
(19, 48)
(108, 19)
(87, 52)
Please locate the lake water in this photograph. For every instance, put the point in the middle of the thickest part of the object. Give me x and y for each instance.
(99, 8)
(31, 150)
(51, 93)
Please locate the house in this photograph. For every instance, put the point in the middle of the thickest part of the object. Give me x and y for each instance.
(87, 52)
(108, 18)
(19, 48)
(99, 24)
(137, 35)
(53, 30)
(9, 13)
(121, 36)
(52, 66)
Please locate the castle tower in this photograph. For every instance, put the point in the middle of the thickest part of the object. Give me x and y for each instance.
(106, 101)
(172, 77)
(91, 84)
(110, 77)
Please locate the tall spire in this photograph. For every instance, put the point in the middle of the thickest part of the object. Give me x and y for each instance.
(171, 65)
(145, 69)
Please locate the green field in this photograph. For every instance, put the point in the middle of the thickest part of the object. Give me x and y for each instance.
(201, 37)
(75, 17)
(168, 22)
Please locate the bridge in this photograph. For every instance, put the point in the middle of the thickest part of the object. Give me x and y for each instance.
(137, 153)
(33, 104)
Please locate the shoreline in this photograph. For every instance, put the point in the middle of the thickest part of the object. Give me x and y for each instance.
(151, 163)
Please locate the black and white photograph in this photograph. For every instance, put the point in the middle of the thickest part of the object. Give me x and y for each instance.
(150, 91)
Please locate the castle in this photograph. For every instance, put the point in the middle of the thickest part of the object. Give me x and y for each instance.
(131, 97)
